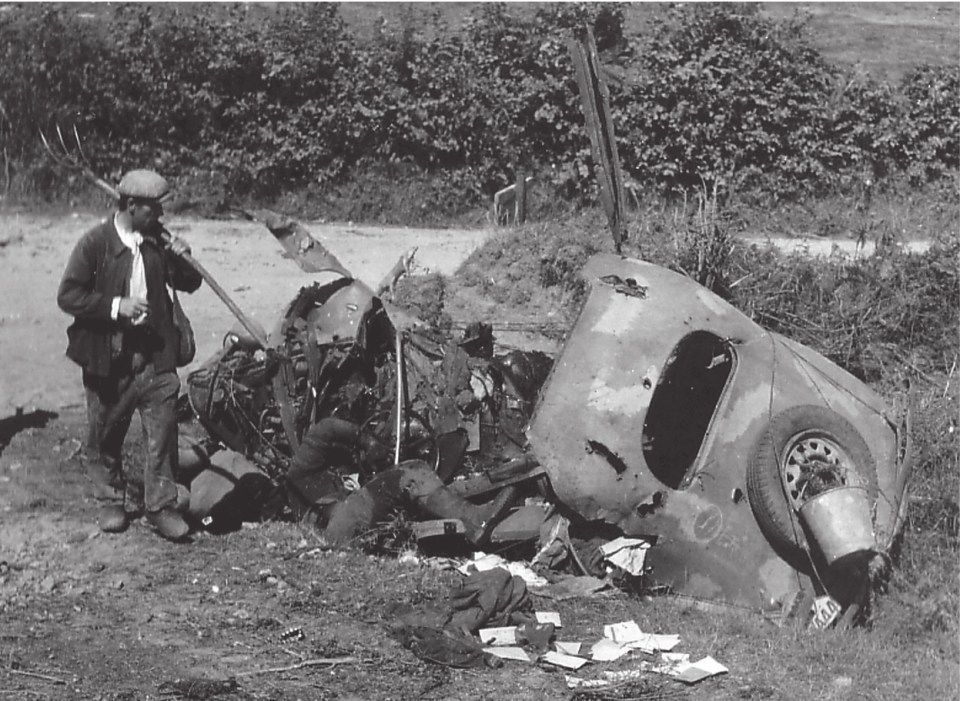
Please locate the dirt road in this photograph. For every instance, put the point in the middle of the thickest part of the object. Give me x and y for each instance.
(242, 256)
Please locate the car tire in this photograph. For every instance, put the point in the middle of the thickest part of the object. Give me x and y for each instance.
(770, 479)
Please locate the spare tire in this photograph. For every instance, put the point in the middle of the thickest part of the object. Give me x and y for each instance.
(795, 438)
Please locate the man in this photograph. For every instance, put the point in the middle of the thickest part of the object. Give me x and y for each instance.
(125, 339)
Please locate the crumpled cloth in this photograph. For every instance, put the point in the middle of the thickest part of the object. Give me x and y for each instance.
(447, 636)
(486, 600)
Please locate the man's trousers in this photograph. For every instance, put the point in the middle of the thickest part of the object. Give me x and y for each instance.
(111, 402)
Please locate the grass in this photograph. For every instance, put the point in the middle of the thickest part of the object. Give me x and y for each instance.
(885, 40)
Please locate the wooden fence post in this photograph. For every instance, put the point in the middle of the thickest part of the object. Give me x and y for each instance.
(520, 204)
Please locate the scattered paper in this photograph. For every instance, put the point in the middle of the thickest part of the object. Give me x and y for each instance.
(697, 671)
(825, 611)
(628, 554)
(499, 636)
(607, 650)
(548, 617)
(561, 660)
(568, 648)
(621, 543)
(623, 632)
(652, 642)
(628, 634)
(483, 562)
(509, 653)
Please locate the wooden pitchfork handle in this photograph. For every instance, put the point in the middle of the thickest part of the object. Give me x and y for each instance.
(70, 162)
(244, 320)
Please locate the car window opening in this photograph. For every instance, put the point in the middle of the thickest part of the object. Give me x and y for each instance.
(683, 404)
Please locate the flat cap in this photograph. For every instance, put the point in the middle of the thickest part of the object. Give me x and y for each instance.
(144, 184)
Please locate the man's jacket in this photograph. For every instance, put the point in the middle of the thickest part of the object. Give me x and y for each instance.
(99, 270)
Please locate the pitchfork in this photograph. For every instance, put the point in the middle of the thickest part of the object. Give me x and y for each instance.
(73, 159)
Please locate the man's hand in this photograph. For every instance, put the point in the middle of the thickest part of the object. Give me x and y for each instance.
(133, 308)
(178, 246)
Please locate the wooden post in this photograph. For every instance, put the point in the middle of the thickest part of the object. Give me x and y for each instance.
(595, 99)
(520, 204)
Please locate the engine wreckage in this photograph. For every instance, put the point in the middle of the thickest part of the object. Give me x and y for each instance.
(761, 474)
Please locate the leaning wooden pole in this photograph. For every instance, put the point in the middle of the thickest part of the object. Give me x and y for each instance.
(595, 99)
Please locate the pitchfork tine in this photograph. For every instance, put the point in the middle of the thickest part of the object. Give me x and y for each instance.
(76, 135)
(63, 143)
(46, 144)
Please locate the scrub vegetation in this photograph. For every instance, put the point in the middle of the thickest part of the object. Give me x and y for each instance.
(242, 102)
(731, 126)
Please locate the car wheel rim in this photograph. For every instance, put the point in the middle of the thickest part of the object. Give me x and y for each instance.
(811, 461)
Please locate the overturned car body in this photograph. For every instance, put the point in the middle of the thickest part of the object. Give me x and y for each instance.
(762, 473)
(672, 415)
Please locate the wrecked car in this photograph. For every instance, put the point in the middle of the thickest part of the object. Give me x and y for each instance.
(758, 468)
(762, 474)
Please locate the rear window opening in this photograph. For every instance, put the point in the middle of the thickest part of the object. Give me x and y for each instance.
(683, 404)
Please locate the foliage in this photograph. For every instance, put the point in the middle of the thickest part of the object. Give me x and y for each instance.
(714, 95)
(929, 142)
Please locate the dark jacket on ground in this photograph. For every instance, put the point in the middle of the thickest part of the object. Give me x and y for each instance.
(99, 270)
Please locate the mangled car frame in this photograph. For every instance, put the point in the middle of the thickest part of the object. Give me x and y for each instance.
(761, 473)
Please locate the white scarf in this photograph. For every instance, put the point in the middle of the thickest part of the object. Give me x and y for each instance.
(138, 275)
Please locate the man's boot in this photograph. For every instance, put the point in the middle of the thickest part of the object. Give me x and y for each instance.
(363, 509)
(478, 520)
(169, 523)
(424, 488)
(112, 518)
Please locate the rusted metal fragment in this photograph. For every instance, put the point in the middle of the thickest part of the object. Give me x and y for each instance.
(300, 245)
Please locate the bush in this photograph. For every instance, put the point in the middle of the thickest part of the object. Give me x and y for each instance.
(288, 98)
